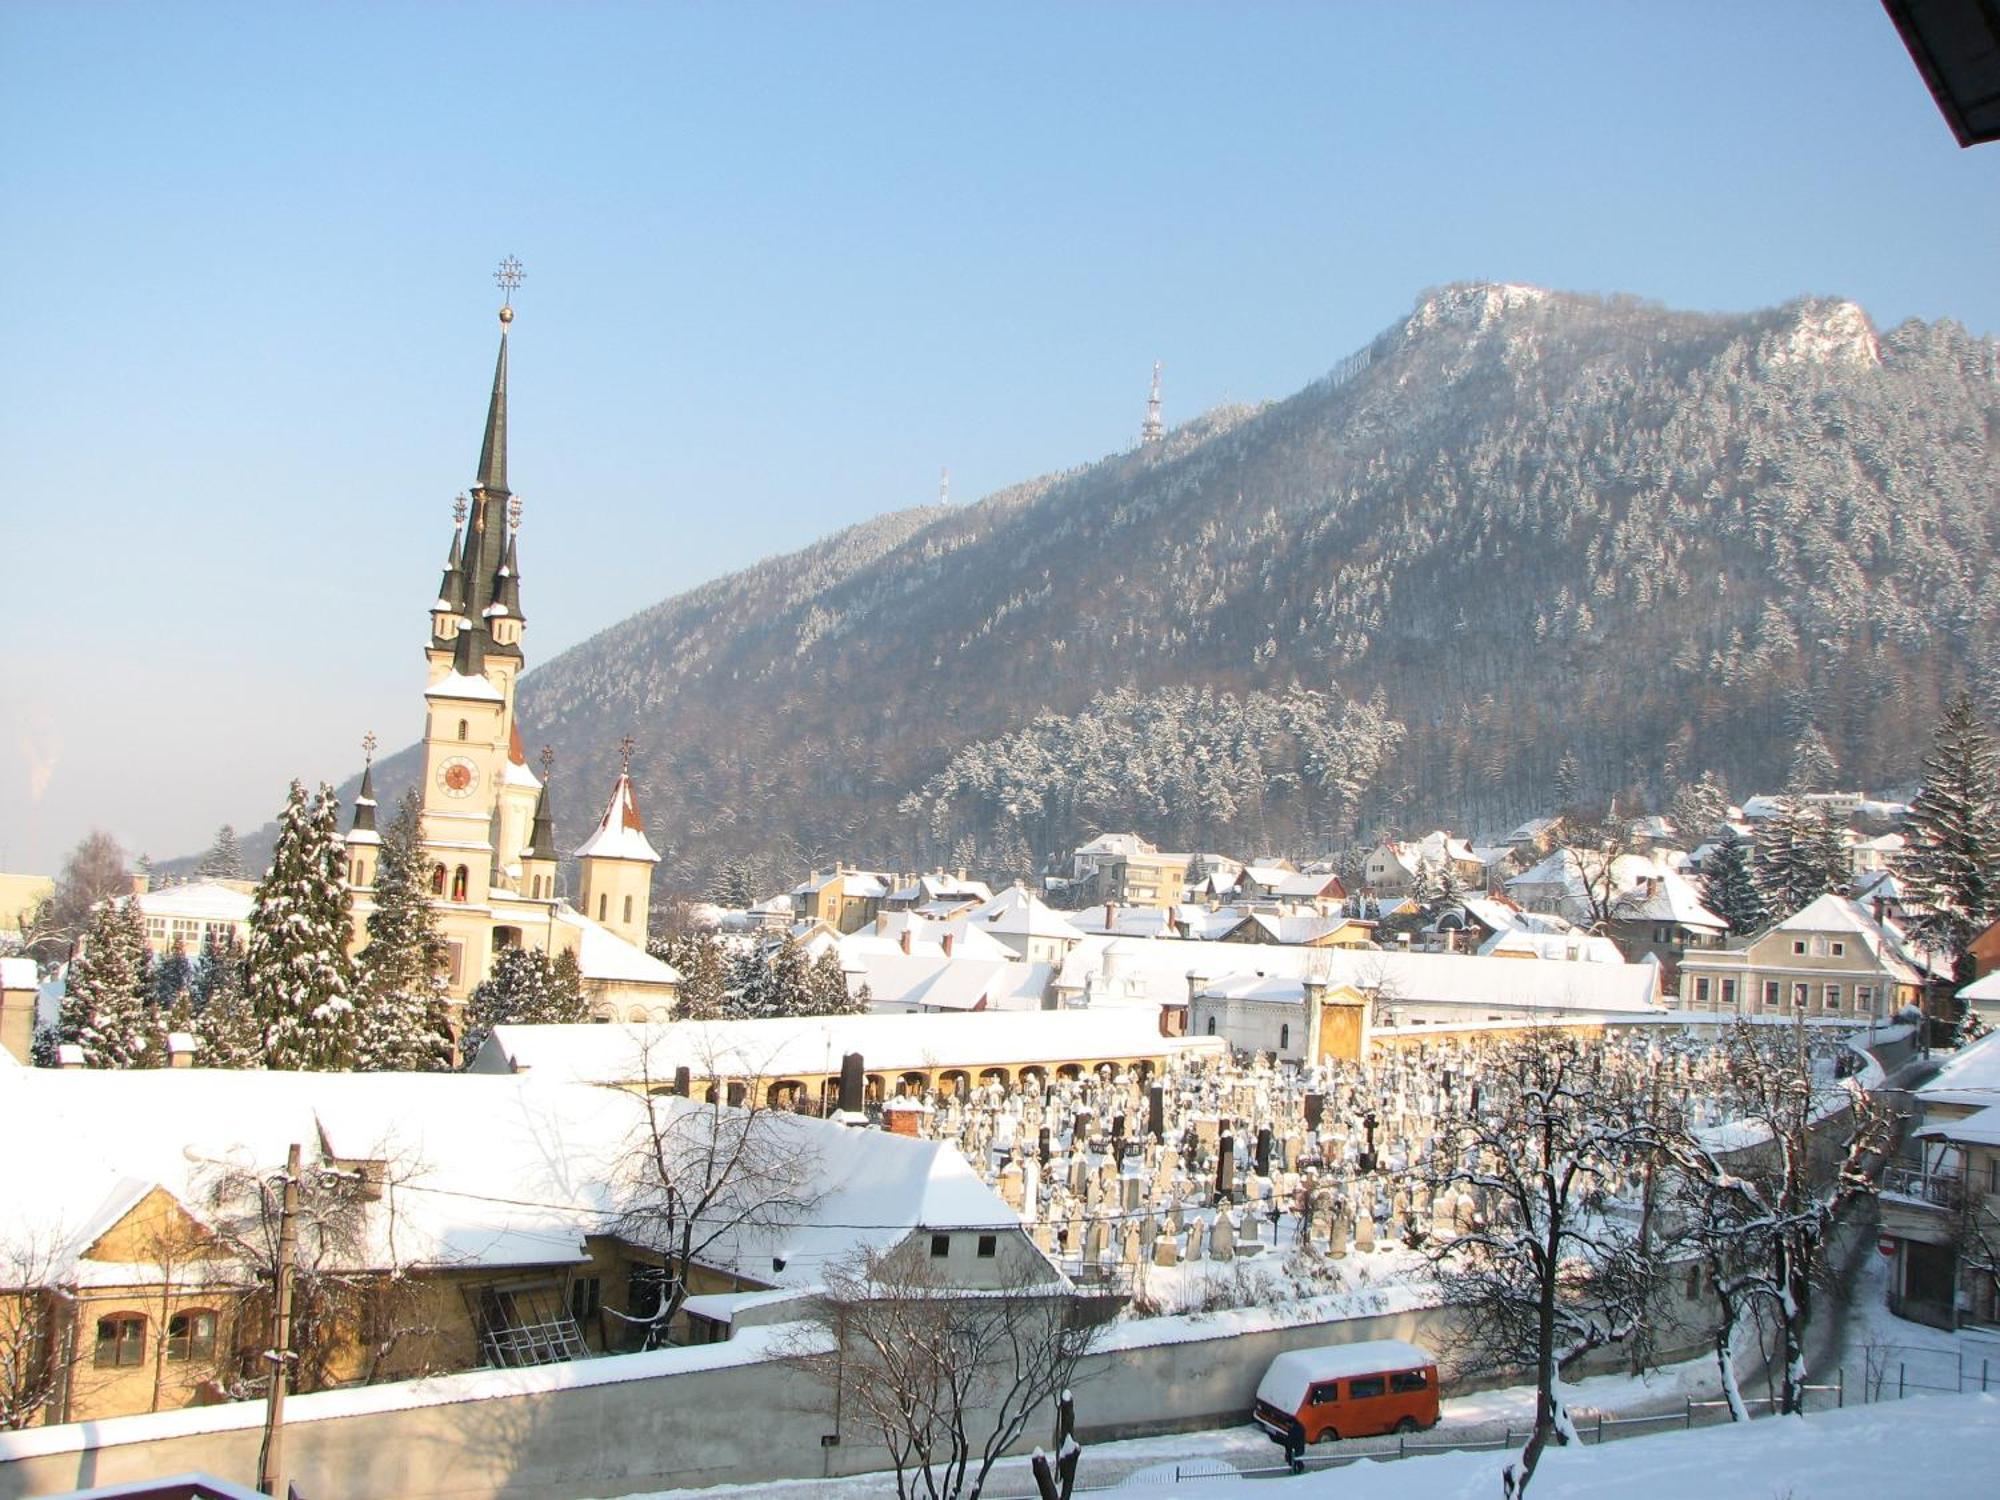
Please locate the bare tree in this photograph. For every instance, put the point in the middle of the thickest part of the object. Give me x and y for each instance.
(34, 1358)
(1554, 1268)
(946, 1378)
(1759, 1211)
(94, 871)
(1594, 847)
(701, 1175)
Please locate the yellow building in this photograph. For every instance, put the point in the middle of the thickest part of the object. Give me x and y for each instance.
(486, 823)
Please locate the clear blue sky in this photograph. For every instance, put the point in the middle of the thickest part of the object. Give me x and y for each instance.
(784, 262)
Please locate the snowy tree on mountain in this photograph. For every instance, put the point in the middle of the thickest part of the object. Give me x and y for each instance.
(1951, 867)
(1813, 767)
(1799, 857)
(224, 860)
(297, 971)
(1727, 887)
(526, 988)
(732, 888)
(400, 1015)
(702, 961)
(1699, 808)
(230, 1034)
(107, 1006)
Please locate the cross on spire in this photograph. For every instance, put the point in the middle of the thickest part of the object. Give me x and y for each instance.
(458, 509)
(508, 277)
(548, 759)
(368, 744)
(625, 754)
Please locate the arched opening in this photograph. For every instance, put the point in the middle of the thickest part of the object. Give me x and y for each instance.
(628, 911)
(875, 1088)
(912, 1085)
(191, 1334)
(1211, 1025)
(361, 872)
(953, 1082)
(437, 880)
(1284, 1035)
(461, 878)
(461, 728)
(636, 1015)
(995, 1075)
(1033, 1078)
(1070, 1071)
(601, 900)
(506, 937)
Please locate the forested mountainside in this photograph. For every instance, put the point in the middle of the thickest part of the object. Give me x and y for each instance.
(1518, 529)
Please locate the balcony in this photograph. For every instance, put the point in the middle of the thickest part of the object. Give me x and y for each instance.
(1939, 1189)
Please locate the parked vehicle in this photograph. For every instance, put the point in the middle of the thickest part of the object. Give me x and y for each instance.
(1347, 1390)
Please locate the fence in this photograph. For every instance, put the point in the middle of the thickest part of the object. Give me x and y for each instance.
(1894, 1371)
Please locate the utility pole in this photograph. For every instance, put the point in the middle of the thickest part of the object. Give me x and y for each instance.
(271, 1461)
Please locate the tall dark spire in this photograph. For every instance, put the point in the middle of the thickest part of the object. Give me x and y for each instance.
(493, 450)
(364, 804)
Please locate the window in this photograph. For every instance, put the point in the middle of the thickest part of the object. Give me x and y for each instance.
(1325, 1393)
(1693, 1280)
(1770, 994)
(1409, 1380)
(1729, 994)
(191, 1335)
(989, 1246)
(437, 880)
(940, 1246)
(1799, 996)
(1798, 945)
(1701, 992)
(628, 910)
(461, 729)
(1285, 1035)
(1211, 1025)
(1839, 948)
(1864, 997)
(602, 899)
(586, 1296)
(459, 880)
(121, 1341)
(1366, 1386)
(1833, 997)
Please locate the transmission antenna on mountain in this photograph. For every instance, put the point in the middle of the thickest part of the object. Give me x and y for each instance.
(1152, 432)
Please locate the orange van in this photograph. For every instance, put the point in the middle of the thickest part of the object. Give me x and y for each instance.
(1347, 1390)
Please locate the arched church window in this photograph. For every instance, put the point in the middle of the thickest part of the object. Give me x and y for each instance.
(437, 880)
(458, 883)
(601, 900)
(628, 909)
(461, 729)
(1285, 1035)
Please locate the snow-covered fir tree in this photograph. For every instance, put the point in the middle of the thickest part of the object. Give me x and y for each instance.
(1699, 808)
(107, 1006)
(1799, 857)
(224, 860)
(1728, 888)
(703, 964)
(1813, 767)
(526, 988)
(791, 991)
(400, 1023)
(173, 979)
(223, 1019)
(827, 989)
(1951, 866)
(297, 970)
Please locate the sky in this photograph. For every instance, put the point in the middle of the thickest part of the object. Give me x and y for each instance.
(784, 263)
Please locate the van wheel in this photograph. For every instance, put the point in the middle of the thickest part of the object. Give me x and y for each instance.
(1327, 1435)
(1408, 1424)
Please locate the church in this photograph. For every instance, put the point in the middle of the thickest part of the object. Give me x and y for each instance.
(487, 826)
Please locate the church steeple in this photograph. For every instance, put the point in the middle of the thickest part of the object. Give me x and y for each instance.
(493, 449)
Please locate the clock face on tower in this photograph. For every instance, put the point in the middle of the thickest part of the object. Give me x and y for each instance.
(458, 777)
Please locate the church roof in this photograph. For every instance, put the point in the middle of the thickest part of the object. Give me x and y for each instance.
(621, 832)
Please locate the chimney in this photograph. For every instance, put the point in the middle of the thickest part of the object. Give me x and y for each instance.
(1110, 915)
(1881, 905)
(881, 923)
(945, 943)
(906, 939)
(853, 1084)
(683, 1082)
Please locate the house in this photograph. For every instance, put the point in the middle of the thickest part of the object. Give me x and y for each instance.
(1304, 929)
(1025, 925)
(1087, 860)
(1940, 1206)
(1153, 878)
(1661, 919)
(1535, 837)
(937, 894)
(1834, 957)
(185, 916)
(846, 900)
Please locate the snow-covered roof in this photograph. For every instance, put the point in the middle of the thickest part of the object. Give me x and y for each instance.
(1667, 897)
(459, 685)
(200, 900)
(1980, 1128)
(19, 974)
(1018, 911)
(816, 1045)
(621, 832)
(1986, 987)
(483, 1170)
(1969, 1076)
(922, 982)
(603, 956)
(1563, 947)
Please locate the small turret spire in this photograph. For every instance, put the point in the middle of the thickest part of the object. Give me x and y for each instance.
(364, 800)
(542, 832)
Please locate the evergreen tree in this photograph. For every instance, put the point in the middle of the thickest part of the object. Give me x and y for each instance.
(1951, 868)
(1727, 887)
(1799, 857)
(526, 988)
(223, 1019)
(747, 995)
(703, 964)
(791, 989)
(107, 1002)
(224, 860)
(1699, 808)
(826, 984)
(1569, 780)
(732, 887)
(1813, 767)
(297, 971)
(400, 1023)
(173, 980)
